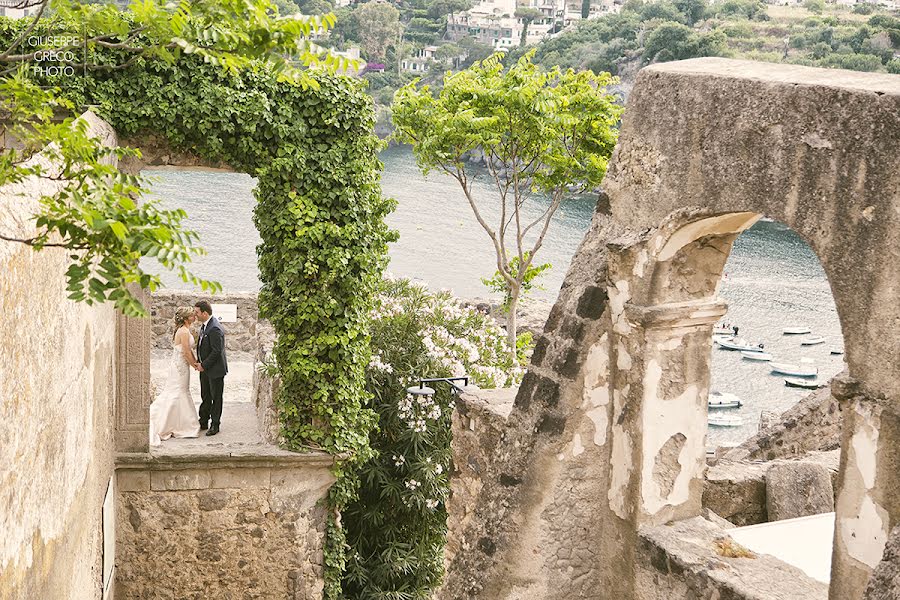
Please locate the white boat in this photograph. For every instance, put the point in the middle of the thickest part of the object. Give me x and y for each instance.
(836, 351)
(809, 384)
(723, 331)
(723, 400)
(812, 340)
(796, 330)
(736, 344)
(724, 421)
(761, 356)
(794, 370)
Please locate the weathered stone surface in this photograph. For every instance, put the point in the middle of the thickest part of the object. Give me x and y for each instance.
(242, 338)
(681, 560)
(885, 581)
(242, 539)
(813, 424)
(57, 407)
(798, 490)
(736, 491)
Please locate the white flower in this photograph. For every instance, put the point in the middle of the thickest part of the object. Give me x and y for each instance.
(412, 485)
(432, 504)
(399, 460)
(438, 469)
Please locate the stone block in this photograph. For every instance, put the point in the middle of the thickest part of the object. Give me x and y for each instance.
(187, 479)
(798, 490)
(242, 478)
(132, 480)
(736, 491)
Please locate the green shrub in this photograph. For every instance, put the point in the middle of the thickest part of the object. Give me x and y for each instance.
(396, 529)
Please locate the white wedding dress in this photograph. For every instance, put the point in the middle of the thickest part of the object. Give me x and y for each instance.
(173, 414)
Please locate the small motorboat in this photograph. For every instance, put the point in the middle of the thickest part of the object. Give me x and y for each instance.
(723, 331)
(794, 370)
(723, 400)
(724, 421)
(836, 351)
(761, 356)
(736, 344)
(796, 330)
(813, 340)
(809, 384)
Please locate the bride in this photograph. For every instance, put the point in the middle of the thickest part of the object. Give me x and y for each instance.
(172, 414)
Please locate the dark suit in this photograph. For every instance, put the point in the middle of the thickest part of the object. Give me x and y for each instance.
(211, 353)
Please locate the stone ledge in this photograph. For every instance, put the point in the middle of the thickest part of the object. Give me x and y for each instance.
(681, 560)
(223, 460)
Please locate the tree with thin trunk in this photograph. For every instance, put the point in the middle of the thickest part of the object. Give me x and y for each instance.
(544, 135)
(527, 14)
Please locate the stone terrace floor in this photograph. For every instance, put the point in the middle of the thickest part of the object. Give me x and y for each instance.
(239, 433)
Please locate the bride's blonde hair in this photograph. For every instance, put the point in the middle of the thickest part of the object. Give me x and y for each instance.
(182, 313)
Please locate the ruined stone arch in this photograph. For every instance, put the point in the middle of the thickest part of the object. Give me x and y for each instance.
(606, 436)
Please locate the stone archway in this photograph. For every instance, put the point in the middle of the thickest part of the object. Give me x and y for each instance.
(606, 435)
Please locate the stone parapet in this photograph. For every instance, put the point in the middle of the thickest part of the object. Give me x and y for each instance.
(683, 560)
(210, 525)
(244, 336)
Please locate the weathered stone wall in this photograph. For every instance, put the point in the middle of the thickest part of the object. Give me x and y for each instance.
(263, 397)
(243, 336)
(57, 398)
(221, 527)
(737, 490)
(478, 425)
(690, 559)
(607, 434)
(813, 424)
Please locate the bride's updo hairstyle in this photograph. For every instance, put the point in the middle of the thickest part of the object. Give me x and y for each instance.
(182, 313)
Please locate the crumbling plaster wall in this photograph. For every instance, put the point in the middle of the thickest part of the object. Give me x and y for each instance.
(57, 397)
(606, 434)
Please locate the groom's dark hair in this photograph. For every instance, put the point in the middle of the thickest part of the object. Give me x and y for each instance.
(204, 306)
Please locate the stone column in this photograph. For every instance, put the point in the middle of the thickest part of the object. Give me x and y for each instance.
(133, 379)
(660, 366)
(868, 503)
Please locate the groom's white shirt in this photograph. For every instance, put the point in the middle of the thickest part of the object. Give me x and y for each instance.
(203, 331)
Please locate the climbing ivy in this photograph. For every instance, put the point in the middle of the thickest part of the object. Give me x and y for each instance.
(320, 215)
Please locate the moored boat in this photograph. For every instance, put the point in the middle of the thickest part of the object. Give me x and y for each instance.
(760, 356)
(813, 340)
(794, 370)
(723, 400)
(836, 351)
(723, 331)
(796, 330)
(809, 384)
(724, 421)
(737, 344)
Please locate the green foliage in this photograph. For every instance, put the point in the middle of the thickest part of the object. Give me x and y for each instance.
(674, 41)
(814, 6)
(689, 28)
(396, 528)
(542, 133)
(497, 283)
(94, 215)
(320, 214)
(893, 66)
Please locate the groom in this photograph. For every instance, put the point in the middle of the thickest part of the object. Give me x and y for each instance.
(213, 366)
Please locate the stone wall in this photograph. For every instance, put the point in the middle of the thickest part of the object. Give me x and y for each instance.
(737, 490)
(263, 397)
(244, 336)
(813, 424)
(693, 559)
(210, 526)
(57, 398)
(607, 434)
